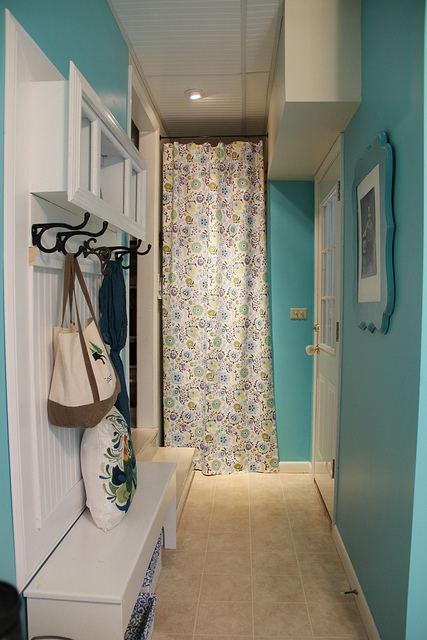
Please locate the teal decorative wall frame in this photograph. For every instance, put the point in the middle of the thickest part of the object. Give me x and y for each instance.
(372, 204)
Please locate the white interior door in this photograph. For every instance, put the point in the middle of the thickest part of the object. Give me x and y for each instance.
(328, 324)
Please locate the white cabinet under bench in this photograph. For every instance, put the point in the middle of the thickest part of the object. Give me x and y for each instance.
(89, 585)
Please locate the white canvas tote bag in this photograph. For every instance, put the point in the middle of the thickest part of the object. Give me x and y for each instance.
(84, 383)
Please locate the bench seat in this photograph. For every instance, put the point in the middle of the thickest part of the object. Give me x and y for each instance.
(88, 586)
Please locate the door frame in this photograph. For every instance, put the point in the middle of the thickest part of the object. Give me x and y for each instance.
(337, 150)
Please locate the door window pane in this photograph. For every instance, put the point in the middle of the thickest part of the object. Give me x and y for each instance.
(328, 262)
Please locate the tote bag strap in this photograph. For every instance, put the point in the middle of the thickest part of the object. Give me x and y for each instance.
(71, 264)
(85, 292)
(67, 295)
(83, 286)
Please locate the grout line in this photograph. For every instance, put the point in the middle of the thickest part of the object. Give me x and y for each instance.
(204, 562)
(251, 559)
(299, 569)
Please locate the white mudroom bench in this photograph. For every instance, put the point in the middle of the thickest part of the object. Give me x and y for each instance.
(88, 586)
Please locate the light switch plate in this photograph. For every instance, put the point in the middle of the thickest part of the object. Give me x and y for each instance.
(298, 314)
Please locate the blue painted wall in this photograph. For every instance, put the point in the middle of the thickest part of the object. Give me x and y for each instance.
(416, 620)
(290, 242)
(380, 385)
(86, 33)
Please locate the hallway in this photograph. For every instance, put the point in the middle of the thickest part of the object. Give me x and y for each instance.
(254, 559)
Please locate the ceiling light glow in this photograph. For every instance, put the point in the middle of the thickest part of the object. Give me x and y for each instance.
(194, 94)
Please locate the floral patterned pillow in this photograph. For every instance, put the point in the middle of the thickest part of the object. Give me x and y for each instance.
(109, 470)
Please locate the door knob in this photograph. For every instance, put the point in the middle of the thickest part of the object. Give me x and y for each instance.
(316, 327)
(311, 349)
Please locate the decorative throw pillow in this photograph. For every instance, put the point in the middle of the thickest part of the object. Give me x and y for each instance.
(109, 469)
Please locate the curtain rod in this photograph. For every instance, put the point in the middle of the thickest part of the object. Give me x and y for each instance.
(258, 135)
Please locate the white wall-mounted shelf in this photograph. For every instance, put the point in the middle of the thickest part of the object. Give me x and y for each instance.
(81, 159)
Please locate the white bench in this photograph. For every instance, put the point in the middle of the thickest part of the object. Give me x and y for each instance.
(89, 585)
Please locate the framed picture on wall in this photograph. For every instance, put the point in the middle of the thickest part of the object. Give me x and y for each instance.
(368, 230)
(372, 195)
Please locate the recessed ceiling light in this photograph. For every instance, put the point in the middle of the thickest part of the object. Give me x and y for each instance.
(194, 94)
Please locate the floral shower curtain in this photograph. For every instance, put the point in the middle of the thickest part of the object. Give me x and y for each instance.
(217, 373)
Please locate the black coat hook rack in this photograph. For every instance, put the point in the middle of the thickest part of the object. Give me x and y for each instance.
(103, 253)
(37, 231)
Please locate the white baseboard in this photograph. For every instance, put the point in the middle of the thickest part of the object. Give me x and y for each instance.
(360, 599)
(295, 467)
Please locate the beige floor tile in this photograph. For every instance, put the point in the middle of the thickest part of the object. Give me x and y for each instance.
(233, 479)
(206, 481)
(264, 478)
(196, 500)
(229, 541)
(175, 585)
(276, 525)
(174, 616)
(264, 536)
(191, 540)
(217, 587)
(228, 563)
(275, 562)
(185, 561)
(269, 510)
(230, 509)
(298, 503)
(203, 637)
(193, 522)
(281, 619)
(200, 481)
(327, 564)
(336, 620)
(202, 510)
(301, 522)
(203, 484)
(274, 538)
(239, 499)
(224, 618)
(169, 636)
(298, 481)
(260, 495)
(231, 489)
(277, 589)
(327, 588)
(224, 523)
(303, 487)
(295, 478)
(314, 542)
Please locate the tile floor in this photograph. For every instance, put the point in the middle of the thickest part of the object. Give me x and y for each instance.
(254, 560)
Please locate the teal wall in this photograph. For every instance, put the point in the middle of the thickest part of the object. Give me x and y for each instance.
(86, 33)
(290, 242)
(380, 374)
(416, 621)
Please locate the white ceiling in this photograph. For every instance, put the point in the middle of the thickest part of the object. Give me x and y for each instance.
(226, 48)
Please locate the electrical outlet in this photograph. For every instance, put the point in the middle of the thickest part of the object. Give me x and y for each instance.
(298, 314)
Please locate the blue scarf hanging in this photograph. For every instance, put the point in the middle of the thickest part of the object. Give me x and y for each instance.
(113, 326)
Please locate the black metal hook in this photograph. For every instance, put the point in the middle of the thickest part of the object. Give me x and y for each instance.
(37, 230)
(104, 253)
(120, 252)
(62, 237)
(65, 236)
